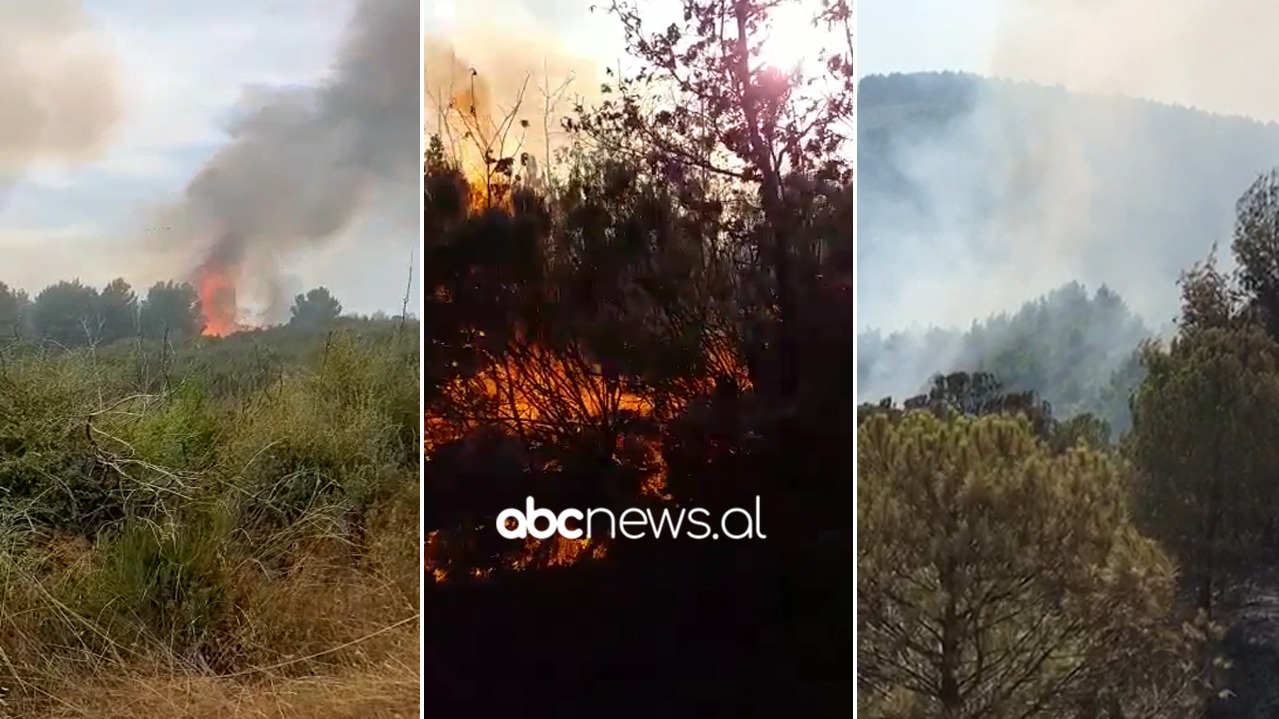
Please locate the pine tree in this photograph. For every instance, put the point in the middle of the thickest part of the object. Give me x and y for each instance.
(996, 578)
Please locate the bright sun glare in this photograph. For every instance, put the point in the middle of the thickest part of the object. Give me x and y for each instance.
(792, 39)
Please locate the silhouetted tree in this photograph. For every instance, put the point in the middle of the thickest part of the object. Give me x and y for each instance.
(14, 306)
(171, 309)
(118, 308)
(730, 117)
(316, 308)
(67, 313)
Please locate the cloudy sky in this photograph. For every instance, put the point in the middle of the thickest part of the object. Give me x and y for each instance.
(124, 101)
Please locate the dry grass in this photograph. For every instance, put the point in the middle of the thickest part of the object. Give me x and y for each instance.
(193, 555)
(386, 689)
(336, 638)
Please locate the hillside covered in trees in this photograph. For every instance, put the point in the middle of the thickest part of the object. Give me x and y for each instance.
(1019, 198)
(998, 192)
(1012, 562)
(1075, 349)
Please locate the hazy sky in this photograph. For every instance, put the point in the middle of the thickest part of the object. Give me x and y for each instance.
(1216, 55)
(914, 35)
(178, 70)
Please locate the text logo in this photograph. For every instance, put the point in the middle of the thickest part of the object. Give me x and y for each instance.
(542, 523)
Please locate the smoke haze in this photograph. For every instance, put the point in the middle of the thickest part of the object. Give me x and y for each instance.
(60, 89)
(513, 55)
(1017, 189)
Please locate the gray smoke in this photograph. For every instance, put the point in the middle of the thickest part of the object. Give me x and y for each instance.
(1028, 189)
(306, 164)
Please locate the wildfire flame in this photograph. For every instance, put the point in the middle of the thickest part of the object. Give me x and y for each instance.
(479, 145)
(216, 288)
(528, 384)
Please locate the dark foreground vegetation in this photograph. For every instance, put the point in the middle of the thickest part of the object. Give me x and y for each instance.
(211, 527)
(664, 321)
(1012, 564)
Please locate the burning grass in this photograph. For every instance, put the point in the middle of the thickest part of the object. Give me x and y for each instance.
(171, 552)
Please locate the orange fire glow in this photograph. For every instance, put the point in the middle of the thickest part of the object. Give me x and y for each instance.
(479, 144)
(216, 288)
(529, 389)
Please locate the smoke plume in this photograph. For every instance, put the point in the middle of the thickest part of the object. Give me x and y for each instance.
(1028, 188)
(303, 165)
(60, 90)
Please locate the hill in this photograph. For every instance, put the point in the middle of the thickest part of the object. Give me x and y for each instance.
(993, 192)
(1074, 349)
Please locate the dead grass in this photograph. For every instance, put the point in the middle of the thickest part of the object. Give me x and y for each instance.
(178, 553)
(335, 638)
(386, 689)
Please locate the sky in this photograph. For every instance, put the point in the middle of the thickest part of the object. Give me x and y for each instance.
(918, 35)
(167, 77)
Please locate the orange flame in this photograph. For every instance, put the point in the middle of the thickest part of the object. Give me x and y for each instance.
(216, 288)
(530, 386)
(480, 144)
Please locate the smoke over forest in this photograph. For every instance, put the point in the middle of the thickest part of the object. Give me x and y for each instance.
(305, 164)
(1087, 164)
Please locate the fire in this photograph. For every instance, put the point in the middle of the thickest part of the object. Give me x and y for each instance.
(216, 288)
(479, 144)
(533, 391)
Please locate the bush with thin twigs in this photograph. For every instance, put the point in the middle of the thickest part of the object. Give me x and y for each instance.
(208, 516)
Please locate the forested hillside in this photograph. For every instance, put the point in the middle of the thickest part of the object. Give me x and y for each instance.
(1022, 558)
(1012, 195)
(996, 192)
(1075, 349)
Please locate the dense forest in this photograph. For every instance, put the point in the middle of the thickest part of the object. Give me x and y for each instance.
(1016, 563)
(662, 321)
(1075, 350)
(210, 526)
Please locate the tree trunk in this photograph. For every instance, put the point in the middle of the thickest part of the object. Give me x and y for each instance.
(776, 251)
(948, 694)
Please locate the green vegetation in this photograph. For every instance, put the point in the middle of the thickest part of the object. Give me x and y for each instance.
(191, 526)
(1077, 352)
(1015, 565)
(981, 587)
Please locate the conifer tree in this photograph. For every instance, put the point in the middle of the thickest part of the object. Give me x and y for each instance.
(996, 578)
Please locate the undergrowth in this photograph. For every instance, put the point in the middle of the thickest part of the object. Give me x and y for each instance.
(174, 546)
